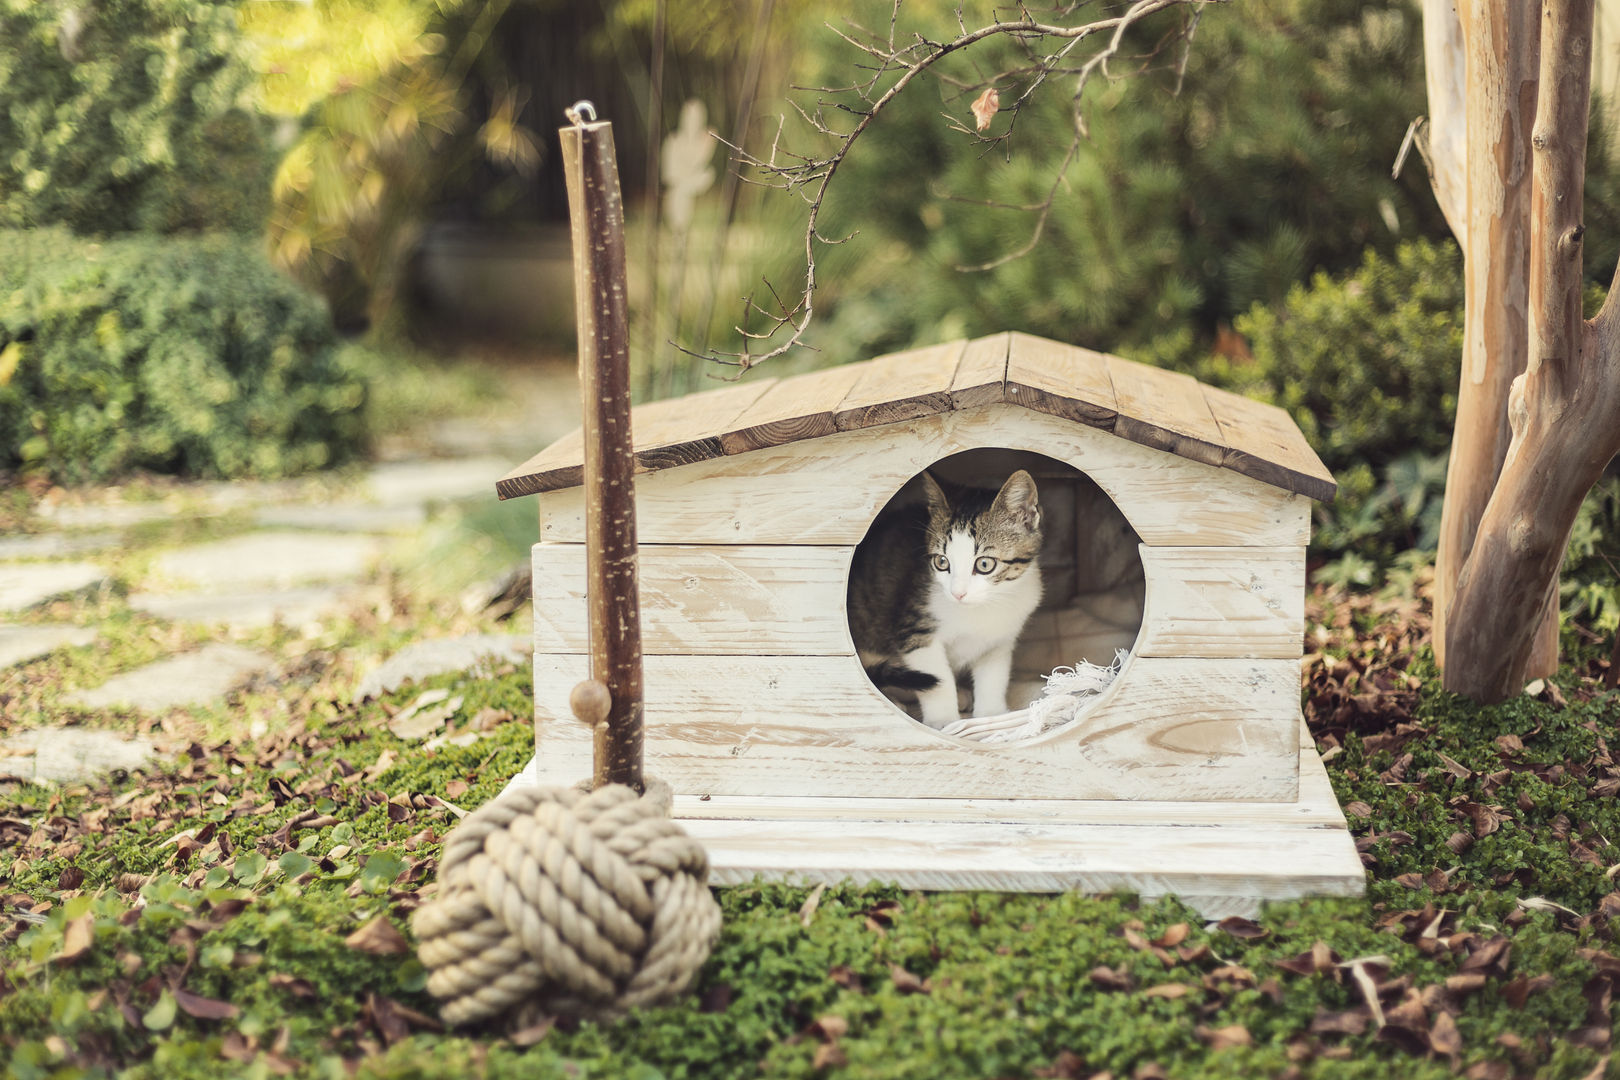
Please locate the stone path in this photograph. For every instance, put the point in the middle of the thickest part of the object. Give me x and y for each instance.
(303, 558)
(188, 679)
(19, 644)
(26, 585)
(62, 755)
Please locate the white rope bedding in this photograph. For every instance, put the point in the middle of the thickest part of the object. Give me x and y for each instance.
(1069, 690)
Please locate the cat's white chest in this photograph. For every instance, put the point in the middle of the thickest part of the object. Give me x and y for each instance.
(968, 631)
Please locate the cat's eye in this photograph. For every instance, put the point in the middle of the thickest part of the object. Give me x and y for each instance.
(941, 563)
(984, 565)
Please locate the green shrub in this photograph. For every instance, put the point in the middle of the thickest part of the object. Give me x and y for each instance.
(129, 115)
(187, 355)
(1367, 363)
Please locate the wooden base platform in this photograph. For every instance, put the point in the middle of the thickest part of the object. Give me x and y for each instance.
(1221, 858)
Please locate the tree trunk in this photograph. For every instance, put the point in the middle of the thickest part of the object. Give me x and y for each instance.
(1562, 411)
(1500, 55)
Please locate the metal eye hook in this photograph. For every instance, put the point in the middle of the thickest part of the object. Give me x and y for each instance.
(581, 113)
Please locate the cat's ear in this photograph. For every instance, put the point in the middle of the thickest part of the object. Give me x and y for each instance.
(1017, 501)
(938, 505)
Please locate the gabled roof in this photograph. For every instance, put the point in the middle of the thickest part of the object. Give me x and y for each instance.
(1166, 410)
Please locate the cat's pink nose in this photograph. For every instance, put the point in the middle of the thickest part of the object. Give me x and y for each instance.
(959, 593)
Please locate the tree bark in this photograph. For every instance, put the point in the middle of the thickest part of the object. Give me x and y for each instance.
(1562, 411)
(1445, 73)
(1501, 50)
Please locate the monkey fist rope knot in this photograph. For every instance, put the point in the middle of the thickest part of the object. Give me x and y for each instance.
(558, 900)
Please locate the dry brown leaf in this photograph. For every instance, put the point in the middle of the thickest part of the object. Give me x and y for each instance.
(1225, 1038)
(985, 107)
(533, 1033)
(828, 1055)
(847, 977)
(378, 937)
(1172, 936)
(1168, 991)
(1444, 1038)
(77, 938)
(200, 1007)
(807, 911)
(830, 1027)
(905, 982)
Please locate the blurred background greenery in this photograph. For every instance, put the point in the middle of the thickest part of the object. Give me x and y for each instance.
(252, 237)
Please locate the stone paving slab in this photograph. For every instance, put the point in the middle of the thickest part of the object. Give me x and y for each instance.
(26, 585)
(55, 545)
(441, 655)
(243, 610)
(64, 755)
(189, 679)
(269, 560)
(22, 643)
(429, 481)
(346, 517)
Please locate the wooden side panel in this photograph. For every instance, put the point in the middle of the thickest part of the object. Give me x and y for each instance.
(1169, 730)
(708, 599)
(798, 408)
(901, 387)
(1063, 380)
(1263, 442)
(828, 491)
(1223, 602)
(1165, 410)
(773, 600)
(981, 377)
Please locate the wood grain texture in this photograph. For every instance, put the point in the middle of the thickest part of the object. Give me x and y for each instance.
(709, 599)
(1165, 410)
(981, 377)
(901, 387)
(682, 430)
(1169, 730)
(794, 409)
(1223, 602)
(1263, 441)
(828, 491)
(790, 600)
(1063, 380)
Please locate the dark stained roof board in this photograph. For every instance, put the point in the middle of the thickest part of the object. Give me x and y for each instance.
(1165, 410)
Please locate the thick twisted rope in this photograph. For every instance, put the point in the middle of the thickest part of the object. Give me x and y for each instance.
(560, 901)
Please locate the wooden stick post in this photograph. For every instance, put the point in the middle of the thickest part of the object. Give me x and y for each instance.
(596, 211)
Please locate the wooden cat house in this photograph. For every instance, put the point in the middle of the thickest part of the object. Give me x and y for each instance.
(1177, 518)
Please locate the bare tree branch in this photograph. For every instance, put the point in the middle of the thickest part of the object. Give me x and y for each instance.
(890, 56)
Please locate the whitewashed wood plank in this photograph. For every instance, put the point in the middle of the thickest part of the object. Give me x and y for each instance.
(708, 599)
(826, 491)
(1315, 807)
(1203, 865)
(1223, 602)
(791, 600)
(1169, 729)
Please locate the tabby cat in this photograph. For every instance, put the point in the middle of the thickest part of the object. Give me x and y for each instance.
(945, 588)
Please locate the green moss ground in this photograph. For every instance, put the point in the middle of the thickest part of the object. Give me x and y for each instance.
(132, 949)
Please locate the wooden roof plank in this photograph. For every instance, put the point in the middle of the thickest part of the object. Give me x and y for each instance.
(981, 377)
(1165, 410)
(904, 386)
(800, 407)
(679, 431)
(560, 465)
(1063, 380)
(1264, 442)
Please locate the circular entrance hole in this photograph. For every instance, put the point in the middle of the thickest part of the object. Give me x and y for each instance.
(901, 604)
